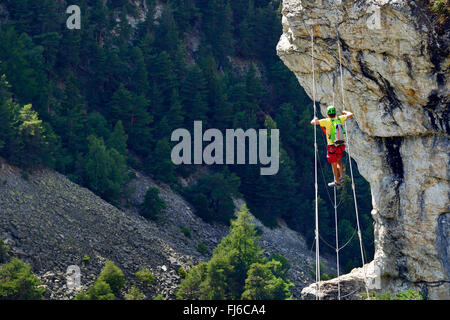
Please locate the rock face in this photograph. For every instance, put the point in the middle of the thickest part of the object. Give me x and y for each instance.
(52, 223)
(395, 73)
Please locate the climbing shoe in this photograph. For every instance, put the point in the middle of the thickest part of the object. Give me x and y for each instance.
(334, 184)
(341, 180)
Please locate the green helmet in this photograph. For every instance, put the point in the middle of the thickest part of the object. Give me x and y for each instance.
(331, 110)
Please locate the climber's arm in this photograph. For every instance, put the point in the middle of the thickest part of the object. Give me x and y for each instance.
(348, 114)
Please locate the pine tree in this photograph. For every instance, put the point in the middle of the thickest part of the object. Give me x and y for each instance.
(191, 287)
(23, 18)
(146, 27)
(17, 282)
(22, 63)
(176, 114)
(161, 73)
(134, 294)
(212, 196)
(179, 64)
(166, 35)
(113, 276)
(232, 259)
(218, 28)
(71, 122)
(100, 290)
(105, 169)
(118, 139)
(29, 147)
(220, 110)
(184, 12)
(246, 31)
(7, 112)
(153, 205)
(124, 28)
(132, 110)
(223, 277)
(140, 83)
(160, 163)
(194, 95)
(253, 87)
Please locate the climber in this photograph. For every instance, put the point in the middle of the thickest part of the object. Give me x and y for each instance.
(333, 128)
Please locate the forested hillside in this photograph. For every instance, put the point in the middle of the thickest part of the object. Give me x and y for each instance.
(93, 102)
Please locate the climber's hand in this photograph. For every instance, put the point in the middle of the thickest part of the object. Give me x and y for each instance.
(315, 121)
(348, 114)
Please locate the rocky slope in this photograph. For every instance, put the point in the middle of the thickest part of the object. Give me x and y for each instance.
(395, 72)
(52, 223)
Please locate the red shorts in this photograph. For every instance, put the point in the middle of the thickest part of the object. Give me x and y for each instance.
(335, 153)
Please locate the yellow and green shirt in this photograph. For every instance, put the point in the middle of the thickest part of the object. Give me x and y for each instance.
(326, 123)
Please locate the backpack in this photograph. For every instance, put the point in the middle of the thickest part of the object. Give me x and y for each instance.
(337, 134)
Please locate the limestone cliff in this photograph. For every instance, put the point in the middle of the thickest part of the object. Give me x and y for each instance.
(395, 69)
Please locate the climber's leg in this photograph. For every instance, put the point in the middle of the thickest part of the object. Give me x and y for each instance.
(340, 168)
(339, 154)
(334, 166)
(333, 160)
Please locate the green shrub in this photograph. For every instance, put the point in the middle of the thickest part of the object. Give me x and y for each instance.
(403, 295)
(134, 294)
(409, 295)
(17, 282)
(113, 276)
(82, 295)
(86, 260)
(145, 276)
(263, 284)
(212, 196)
(99, 291)
(324, 273)
(186, 231)
(440, 6)
(25, 175)
(285, 265)
(259, 231)
(153, 205)
(4, 252)
(110, 281)
(181, 272)
(325, 277)
(159, 297)
(191, 286)
(202, 249)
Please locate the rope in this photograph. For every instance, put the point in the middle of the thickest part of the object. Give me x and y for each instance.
(332, 85)
(358, 230)
(337, 244)
(315, 170)
(332, 246)
(336, 219)
(351, 168)
(349, 240)
(317, 235)
(349, 294)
